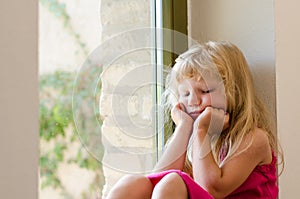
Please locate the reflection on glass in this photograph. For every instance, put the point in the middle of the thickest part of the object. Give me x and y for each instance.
(73, 82)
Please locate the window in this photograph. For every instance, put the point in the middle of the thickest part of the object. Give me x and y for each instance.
(100, 83)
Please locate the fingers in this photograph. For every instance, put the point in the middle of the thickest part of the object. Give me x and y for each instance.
(213, 120)
(179, 106)
(218, 115)
(215, 112)
(182, 107)
(179, 114)
(176, 113)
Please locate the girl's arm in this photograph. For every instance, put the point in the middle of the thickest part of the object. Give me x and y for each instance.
(220, 182)
(175, 152)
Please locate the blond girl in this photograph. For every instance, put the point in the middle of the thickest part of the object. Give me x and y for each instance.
(223, 145)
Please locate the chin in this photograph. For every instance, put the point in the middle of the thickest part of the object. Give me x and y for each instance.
(194, 117)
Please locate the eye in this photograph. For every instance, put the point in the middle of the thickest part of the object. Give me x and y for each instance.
(184, 94)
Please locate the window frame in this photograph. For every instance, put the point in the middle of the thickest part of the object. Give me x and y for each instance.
(170, 15)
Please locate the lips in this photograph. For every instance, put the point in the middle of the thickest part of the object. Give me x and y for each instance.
(195, 114)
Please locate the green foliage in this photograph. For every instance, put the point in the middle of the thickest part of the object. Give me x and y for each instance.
(48, 166)
(57, 127)
(59, 10)
(55, 111)
(87, 162)
(56, 119)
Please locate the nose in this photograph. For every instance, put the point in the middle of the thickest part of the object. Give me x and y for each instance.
(194, 99)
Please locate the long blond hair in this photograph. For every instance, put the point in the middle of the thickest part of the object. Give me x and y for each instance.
(243, 105)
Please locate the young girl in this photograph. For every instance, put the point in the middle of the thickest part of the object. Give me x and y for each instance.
(223, 145)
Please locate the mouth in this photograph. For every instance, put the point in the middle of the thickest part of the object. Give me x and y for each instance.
(195, 114)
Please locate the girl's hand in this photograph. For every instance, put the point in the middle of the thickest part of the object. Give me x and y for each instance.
(212, 121)
(179, 115)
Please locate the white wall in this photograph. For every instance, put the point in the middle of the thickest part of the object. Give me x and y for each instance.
(287, 41)
(250, 24)
(18, 100)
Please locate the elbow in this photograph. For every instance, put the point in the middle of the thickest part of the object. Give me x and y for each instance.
(217, 194)
(216, 191)
(214, 185)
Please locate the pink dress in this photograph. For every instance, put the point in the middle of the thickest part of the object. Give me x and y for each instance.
(261, 184)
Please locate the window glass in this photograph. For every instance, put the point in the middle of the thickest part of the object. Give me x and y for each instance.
(97, 77)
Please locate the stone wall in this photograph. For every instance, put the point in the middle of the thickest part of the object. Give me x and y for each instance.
(126, 102)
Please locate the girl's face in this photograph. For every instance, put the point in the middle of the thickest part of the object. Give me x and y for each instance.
(196, 95)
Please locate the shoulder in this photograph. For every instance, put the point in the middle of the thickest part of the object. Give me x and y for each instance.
(253, 150)
(257, 143)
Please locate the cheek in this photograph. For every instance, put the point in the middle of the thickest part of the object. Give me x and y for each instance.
(207, 100)
(218, 100)
(183, 100)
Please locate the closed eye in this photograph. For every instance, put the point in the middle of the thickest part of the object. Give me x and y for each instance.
(185, 94)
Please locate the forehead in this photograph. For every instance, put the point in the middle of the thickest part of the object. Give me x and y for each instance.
(191, 82)
(199, 81)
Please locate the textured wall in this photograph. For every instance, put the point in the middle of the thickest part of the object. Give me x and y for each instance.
(127, 97)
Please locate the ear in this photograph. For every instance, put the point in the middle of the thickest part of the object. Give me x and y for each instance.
(226, 121)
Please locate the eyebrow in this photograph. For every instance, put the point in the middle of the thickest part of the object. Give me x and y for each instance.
(202, 86)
